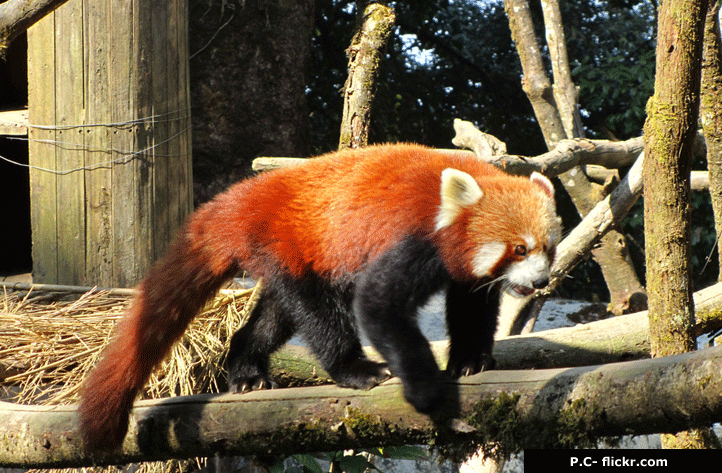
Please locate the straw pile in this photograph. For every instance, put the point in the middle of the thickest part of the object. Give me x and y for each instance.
(50, 339)
(46, 348)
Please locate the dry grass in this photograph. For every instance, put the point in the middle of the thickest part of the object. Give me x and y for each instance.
(49, 340)
(46, 348)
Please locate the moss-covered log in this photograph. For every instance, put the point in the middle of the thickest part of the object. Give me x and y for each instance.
(520, 409)
(610, 340)
(303, 419)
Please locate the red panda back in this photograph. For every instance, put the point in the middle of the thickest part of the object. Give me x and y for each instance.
(335, 213)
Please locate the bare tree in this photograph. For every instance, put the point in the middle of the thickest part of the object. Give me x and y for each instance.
(711, 111)
(365, 53)
(556, 109)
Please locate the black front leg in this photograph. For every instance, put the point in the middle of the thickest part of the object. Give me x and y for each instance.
(387, 297)
(471, 316)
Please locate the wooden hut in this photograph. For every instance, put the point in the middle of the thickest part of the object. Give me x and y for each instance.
(109, 138)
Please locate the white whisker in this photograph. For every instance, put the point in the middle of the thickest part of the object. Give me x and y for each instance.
(488, 284)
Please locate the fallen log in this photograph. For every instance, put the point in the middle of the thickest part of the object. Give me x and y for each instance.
(512, 409)
(40, 436)
(615, 339)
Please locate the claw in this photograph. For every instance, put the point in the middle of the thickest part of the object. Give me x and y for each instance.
(251, 384)
(265, 384)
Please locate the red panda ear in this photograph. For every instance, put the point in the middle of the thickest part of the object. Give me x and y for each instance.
(458, 191)
(543, 182)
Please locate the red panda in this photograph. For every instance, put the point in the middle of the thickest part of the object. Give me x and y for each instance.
(354, 237)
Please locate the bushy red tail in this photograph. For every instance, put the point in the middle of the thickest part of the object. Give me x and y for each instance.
(170, 296)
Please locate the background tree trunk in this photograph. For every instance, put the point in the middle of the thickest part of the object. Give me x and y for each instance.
(375, 23)
(711, 112)
(669, 132)
(242, 109)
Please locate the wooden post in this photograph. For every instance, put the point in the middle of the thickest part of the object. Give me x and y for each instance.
(110, 146)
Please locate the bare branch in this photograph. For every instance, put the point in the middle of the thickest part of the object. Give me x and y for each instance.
(565, 93)
(482, 144)
(580, 241)
(566, 155)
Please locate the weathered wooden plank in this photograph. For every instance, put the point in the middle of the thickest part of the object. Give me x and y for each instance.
(160, 52)
(185, 187)
(69, 104)
(172, 100)
(41, 148)
(98, 177)
(124, 109)
(140, 234)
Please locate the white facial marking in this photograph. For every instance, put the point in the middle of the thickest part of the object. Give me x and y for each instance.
(530, 242)
(488, 256)
(533, 268)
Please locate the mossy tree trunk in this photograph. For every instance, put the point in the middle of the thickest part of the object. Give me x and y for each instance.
(365, 53)
(669, 132)
(711, 111)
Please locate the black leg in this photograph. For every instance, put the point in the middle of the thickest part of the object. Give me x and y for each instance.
(322, 313)
(266, 330)
(471, 315)
(386, 300)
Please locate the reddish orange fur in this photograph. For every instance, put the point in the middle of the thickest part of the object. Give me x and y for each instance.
(330, 215)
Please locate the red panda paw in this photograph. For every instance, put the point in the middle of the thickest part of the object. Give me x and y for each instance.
(243, 385)
(361, 374)
(457, 368)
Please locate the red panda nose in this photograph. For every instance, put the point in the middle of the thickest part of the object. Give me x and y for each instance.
(540, 283)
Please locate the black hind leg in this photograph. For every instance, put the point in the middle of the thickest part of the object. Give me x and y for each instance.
(322, 314)
(266, 330)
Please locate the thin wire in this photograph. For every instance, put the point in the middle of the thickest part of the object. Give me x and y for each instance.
(127, 156)
(709, 256)
(70, 146)
(125, 124)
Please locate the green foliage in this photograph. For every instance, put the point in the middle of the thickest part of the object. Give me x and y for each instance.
(455, 59)
(612, 52)
(355, 461)
(446, 60)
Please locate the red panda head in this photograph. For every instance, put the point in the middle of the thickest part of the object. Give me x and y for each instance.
(501, 228)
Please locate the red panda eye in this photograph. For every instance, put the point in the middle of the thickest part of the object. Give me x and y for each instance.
(520, 250)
